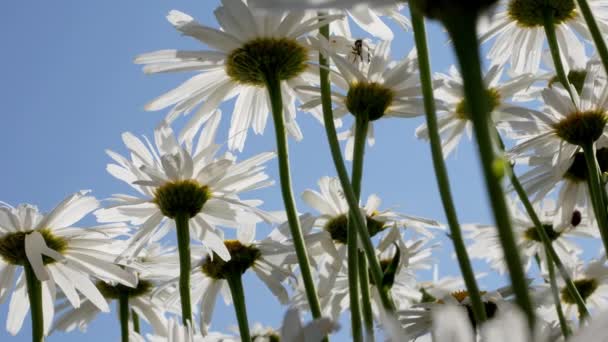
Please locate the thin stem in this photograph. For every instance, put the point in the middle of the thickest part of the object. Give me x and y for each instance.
(464, 36)
(361, 127)
(183, 245)
(549, 25)
(598, 39)
(123, 310)
(596, 191)
(135, 320)
(334, 145)
(555, 292)
(274, 90)
(368, 315)
(546, 241)
(34, 292)
(441, 174)
(238, 298)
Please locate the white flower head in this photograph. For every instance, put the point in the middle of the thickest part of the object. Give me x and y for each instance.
(247, 47)
(454, 121)
(379, 89)
(518, 29)
(60, 254)
(180, 179)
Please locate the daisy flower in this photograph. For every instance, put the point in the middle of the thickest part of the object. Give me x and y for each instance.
(486, 243)
(380, 89)
(60, 254)
(399, 259)
(369, 18)
(518, 26)
(175, 179)
(591, 281)
(154, 264)
(418, 320)
(454, 121)
(245, 48)
(211, 273)
(550, 140)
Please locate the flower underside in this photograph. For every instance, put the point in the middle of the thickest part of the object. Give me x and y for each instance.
(181, 197)
(581, 128)
(494, 100)
(585, 287)
(490, 307)
(337, 227)
(370, 100)
(578, 170)
(530, 13)
(576, 79)
(533, 235)
(263, 58)
(269, 337)
(114, 291)
(241, 259)
(12, 246)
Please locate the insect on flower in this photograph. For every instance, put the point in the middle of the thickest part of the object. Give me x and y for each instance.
(359, 49)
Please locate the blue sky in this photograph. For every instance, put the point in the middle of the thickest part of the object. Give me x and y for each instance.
(69, 89)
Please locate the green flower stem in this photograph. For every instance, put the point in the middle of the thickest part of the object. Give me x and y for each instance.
(135, 320)
(238, 298)
(349, 194)
(596, 192)
(464, 36)
(552, 256)
(123, 310)
(441, 174)
(34, 292)
(554, 48)
(600, 43)
(361, 127)
(183, 245)
(274, 90)
(563, 323)
(368, 315)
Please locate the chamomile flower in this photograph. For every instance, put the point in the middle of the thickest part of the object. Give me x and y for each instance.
(60, 254)
(209, 275)
(485, 242)
(518, 28)
(549, 140)
(153, 265)
(591, 281)
(399, 260)
(418, 320)
(178, 179)
(454, 121)
(380, 89)
(247, 49)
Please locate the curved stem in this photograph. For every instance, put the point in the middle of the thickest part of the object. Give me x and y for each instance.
(441, 174)
(596, 192)
(552, 256)
(123, 310)
(274, 90)
(361, 128)
(34, 292)
(135, 320)
(600, 43)
(334, 145)
(183, 245)
(554, 48)
(368, 315)
(464, 36)
(563, 323)
(238, 298)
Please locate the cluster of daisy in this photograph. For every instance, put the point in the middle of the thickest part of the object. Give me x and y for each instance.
(546, 106)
